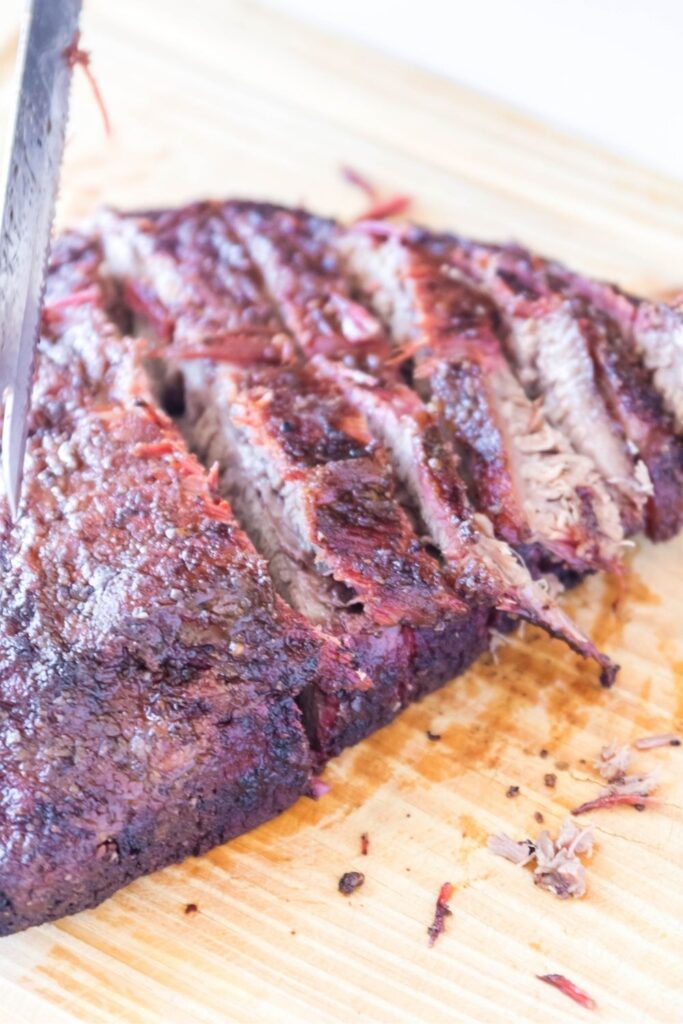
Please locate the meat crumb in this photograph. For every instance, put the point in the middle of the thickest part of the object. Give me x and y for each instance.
(512, 791)
(350, 881)
(441, 912)
(543, 753)
(365, 844)
(557, 867)
(433, 736)
(550, 780)
(613, 762)
(652, 742)
(538, 817)
(191, 908)
(569, 989)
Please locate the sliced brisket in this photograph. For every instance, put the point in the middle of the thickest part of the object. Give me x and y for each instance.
(301, 469)
(483, 568)
(542, 497)
(637, 351)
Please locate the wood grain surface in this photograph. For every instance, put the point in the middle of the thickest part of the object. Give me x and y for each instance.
(215, 98)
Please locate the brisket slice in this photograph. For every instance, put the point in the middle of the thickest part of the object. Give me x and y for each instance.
(541, 496)
(634, 347)
(552, 349)
(482, 567)
(148, 671)
(317, 496)
(654, 329)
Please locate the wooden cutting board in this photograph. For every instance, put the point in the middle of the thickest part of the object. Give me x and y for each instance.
(218, 97)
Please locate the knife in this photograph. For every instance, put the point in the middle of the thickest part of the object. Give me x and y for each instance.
(49, 35)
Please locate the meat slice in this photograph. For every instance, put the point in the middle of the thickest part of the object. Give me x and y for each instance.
(552, 349)
(634, 350)
(541, 496)
(189, 278)
(654, 329)
(317, 495)
(148, 671)
(481, 564)
(482, 567)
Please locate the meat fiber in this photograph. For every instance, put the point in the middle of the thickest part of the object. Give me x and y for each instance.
(541, 496)
(655, 329)
(552, 348)
(148, 671)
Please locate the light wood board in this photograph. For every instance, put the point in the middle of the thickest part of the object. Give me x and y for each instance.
(218, 97)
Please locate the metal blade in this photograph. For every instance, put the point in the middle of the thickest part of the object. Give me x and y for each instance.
(31, 178)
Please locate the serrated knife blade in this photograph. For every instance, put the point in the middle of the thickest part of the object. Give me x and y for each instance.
(34, 157)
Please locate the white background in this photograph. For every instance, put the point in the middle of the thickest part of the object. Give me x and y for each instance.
(608, 70)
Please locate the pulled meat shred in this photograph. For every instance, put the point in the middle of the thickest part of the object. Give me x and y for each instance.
(569, 989)
(613, 762)
(557, 866)
(623, 789)
(441, 912)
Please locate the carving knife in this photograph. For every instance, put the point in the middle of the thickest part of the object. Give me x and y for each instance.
(48, 39)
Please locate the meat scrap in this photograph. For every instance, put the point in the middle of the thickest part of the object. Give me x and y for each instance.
(632, 790)
(365, 844)
(613, 762)
(623, 789)
(441, 912)
(569, 989)
(558, 867)
(652, 742)
(350, 881)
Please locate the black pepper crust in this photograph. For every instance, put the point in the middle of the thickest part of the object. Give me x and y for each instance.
(148, 671)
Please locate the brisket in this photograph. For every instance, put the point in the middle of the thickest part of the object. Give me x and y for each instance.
(163, 685)
(317, 496)
(148, 671)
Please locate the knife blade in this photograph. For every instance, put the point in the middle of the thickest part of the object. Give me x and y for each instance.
(30, 190)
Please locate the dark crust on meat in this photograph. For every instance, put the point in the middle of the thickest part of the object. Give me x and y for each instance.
(326, 446)
(148, 671)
